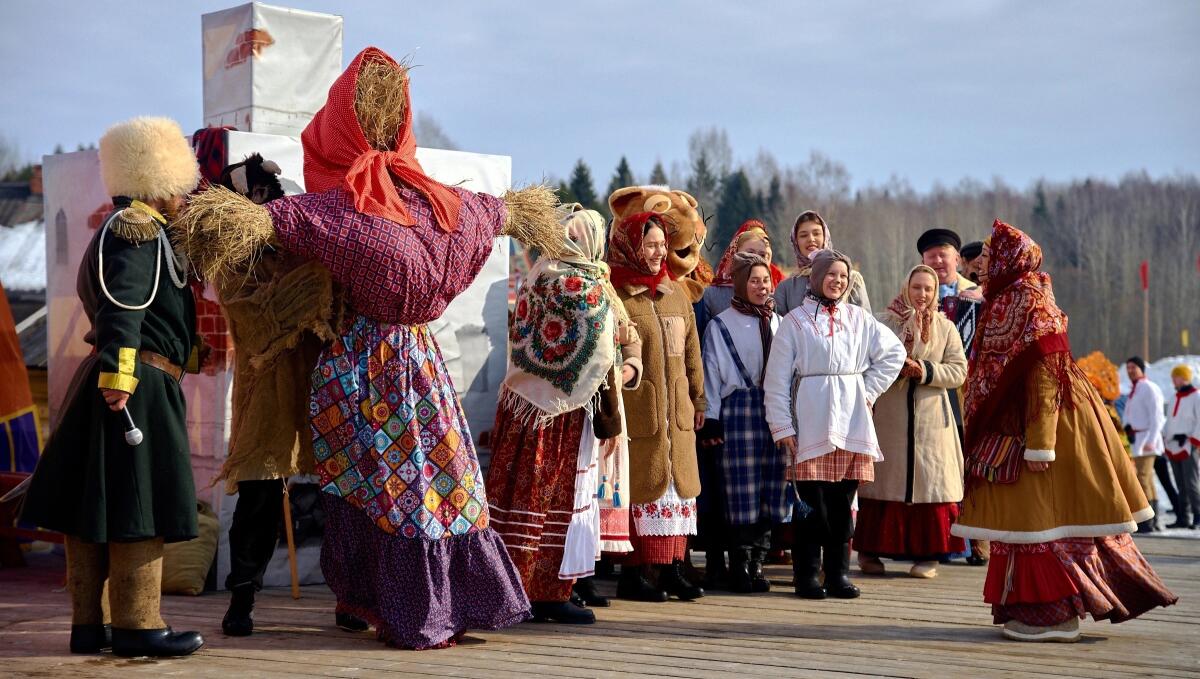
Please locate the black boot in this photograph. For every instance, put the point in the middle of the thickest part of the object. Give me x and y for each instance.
(561, 611)
(350, 623)
(758, 580)
(837, 572)
(238, 622)
(586, 589)
(806, 562)
(155, 643)
(634, 586)
(716, 574)
(740, 581)
(673, 581)
(90, 638)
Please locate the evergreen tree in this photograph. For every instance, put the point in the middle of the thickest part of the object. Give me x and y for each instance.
(582, 188)
(564, 193)
(622, 178)
(774, 199)
(737, 205)
(704, 184)
(658, 175)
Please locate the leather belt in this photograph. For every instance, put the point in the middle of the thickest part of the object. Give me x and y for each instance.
(162, 363)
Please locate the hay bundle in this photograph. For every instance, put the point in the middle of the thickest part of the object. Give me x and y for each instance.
(533, 219)
(380, 100)
(222, 233)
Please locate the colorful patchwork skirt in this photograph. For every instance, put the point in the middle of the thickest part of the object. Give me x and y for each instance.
(408, 545)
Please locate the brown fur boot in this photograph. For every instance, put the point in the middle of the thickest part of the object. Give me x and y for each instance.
(87, 568)
(135, 582)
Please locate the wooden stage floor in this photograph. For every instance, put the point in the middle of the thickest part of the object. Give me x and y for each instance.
(901, 627)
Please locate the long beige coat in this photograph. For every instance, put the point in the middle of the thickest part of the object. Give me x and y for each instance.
(660, 410)
(922, 456)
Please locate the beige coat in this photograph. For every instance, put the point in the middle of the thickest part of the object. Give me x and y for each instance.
(660, 409)
(922, 456)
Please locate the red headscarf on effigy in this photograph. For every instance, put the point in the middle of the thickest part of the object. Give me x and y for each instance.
(336, 154)
(1020, 327)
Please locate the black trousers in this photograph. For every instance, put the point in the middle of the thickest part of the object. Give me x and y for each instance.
(829, 522)
(1162, 469)
(754, 538)
(254, 531)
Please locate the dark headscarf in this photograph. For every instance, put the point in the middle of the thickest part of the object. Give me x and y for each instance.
(822, 260)
(742, 265)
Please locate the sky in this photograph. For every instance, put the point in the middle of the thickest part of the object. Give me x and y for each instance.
(932, 92)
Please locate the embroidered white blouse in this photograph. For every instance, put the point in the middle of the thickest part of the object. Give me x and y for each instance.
(823, 376)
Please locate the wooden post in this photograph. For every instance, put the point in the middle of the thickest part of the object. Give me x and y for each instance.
(291, 540)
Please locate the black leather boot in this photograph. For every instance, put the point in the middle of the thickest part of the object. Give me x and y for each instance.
(740, 581)
(90, 638)
(238, 621)
(806, 563)
(350, 623)
(758, 579)
(585, 588)
(155, 643)
(837, 572)
(561, 611)
(674, 582)
(634, 586)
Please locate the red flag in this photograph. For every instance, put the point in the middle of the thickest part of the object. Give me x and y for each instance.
(1145, 273)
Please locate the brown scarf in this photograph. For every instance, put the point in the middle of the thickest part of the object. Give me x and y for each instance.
(742, 264)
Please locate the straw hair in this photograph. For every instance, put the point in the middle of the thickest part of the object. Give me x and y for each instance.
(533, 219)
(222, 233)
(380, 102)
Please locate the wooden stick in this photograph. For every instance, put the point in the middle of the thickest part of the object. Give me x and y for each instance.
(291, 540)
(1146, 324)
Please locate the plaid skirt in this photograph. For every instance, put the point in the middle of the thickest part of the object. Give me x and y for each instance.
(756, 487)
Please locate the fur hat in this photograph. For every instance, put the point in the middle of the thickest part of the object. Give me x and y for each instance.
(147, 159)
(1183, 371)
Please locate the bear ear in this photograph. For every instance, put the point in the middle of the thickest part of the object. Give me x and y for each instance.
(687, 198)
(621, 201)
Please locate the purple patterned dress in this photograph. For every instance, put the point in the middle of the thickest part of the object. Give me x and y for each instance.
(407, 542)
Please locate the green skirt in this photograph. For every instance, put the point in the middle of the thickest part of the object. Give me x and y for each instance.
(94, 486)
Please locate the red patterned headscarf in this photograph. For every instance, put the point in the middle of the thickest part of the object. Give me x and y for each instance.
(1020, 327)
(751, 229)
(625, 260)
(336, 154)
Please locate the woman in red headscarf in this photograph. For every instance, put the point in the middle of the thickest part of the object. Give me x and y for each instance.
(408, 546)
(664, 407)
(1049, 482)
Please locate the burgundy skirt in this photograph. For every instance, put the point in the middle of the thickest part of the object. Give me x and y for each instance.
(919, 532)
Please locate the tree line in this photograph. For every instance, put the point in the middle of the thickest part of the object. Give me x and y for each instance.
(1094, 232)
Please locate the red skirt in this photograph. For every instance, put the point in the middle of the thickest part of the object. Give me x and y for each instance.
(531, 495)
(919, 532)
(654, 549)
(1048, 583)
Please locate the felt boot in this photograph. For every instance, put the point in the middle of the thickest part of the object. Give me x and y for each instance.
(585, 588)
(87, 569)
(135, 590)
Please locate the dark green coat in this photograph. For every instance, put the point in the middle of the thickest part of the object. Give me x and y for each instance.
(89, 482)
